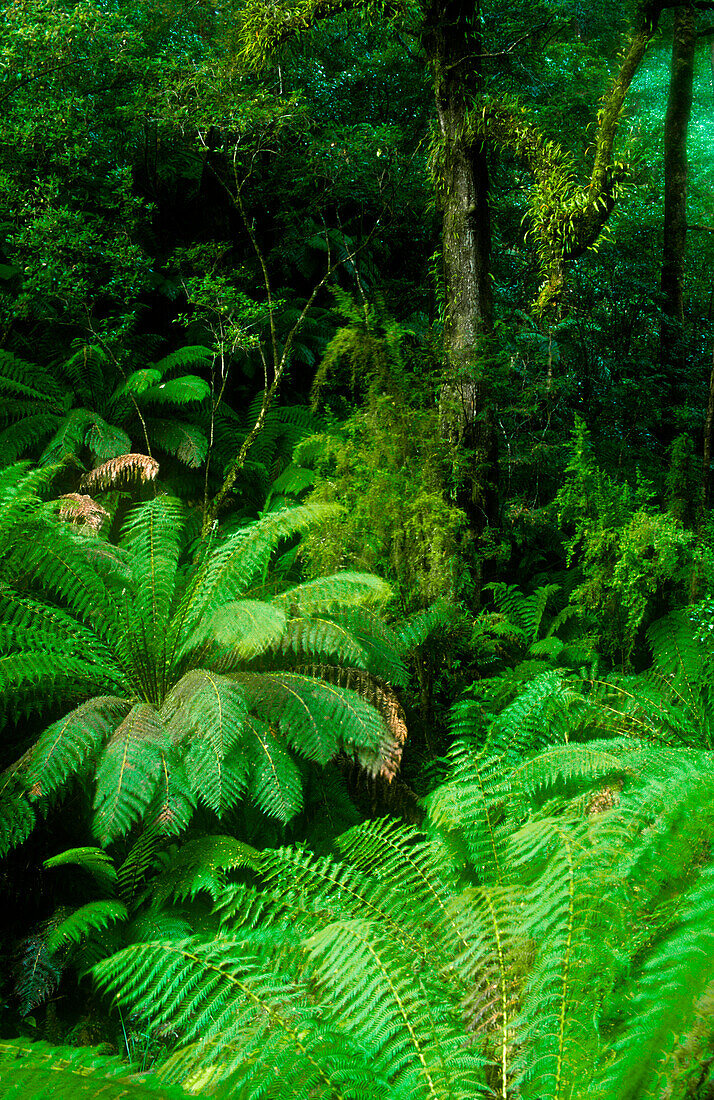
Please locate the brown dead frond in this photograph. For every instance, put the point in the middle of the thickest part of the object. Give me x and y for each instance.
(604, 799)
(81, 509)
(120, 471)
(383, 761)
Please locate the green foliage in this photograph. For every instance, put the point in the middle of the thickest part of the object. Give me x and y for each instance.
(37, 1071)
(191, 678)
(284, 969)
(635, 559)
(93, 409)
(386, 467)
(550, 889)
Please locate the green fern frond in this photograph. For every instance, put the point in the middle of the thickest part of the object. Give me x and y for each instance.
(398, 1015)
(565, 764)
(106, 441)
(322, 638)
(17, 439)
(328, 594)
(37, 970)
(206, 713)
(93, 860)
(139, 863)
(152, 536)
(192, 355)
(17, 817)
(234, 565)
(267, 1030)
(63, 748)
(186, 442)
(378, 640)
(58, 567)
(94, 916)
(547, 710)
(39, 1071)
(87, 368)
(414, 631)
(668, 988)
(316, 718)
(274, 782)
(200, 865)
(34, 681)
(128, 771)
(242, 629)
(681, 659)
(189, 389)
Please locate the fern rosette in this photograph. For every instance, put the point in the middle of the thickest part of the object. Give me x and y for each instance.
(199, 683)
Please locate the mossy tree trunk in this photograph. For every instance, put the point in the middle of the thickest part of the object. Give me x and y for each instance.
(451, 38)
(679, 109)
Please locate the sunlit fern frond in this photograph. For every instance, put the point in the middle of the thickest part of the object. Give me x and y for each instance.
(237, 563)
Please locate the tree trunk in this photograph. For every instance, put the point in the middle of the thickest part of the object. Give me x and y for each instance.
(679, 109)
(708, 439)
(452, 41)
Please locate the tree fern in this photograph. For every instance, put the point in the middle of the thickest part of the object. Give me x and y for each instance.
(95, 408)
(182, 669)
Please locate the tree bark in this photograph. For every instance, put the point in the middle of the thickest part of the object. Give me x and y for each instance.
(679, 109)
(708, 440)
(452, 41)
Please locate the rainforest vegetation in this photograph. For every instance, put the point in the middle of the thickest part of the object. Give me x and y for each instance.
(357, 549)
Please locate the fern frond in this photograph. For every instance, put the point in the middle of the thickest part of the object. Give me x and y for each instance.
(63, 748)
(106, 442)
(118, 471)
(151, 535)
(548, 709)
(93, 860)
(668, 988)
(234, 565)
(267, 1030)
(398, 1013)
(128, 771)
(189, 389)
(62, 567)
(38, 1071)
(413, 631)
(379, 641)
(192, 355)
(242, 629)
(186, 442)
(83, 510)
(327, 594)
(316, 718)
(18, 439)
(385, 758)
(274, 781)
(206, 714)
(94, 916)
(200, 865)
(17, 817)
(321, 638)
(35, 681)
(37, 969)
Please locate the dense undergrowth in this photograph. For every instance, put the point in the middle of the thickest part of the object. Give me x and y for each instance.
(356, 677)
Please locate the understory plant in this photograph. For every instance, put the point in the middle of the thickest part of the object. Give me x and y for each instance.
(180, 681)
(549, 936)
(636, 561)
(92, 407)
